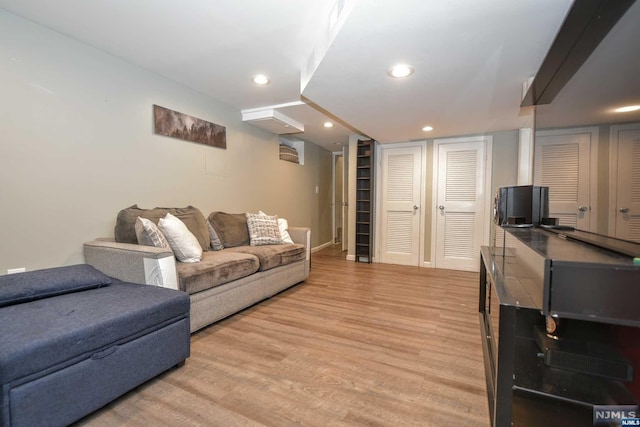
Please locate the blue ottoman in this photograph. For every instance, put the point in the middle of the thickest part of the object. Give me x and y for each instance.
(73, 339)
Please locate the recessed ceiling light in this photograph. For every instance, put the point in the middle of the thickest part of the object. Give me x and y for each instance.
(328, 124)
(627, 109)
(400, 71)
(427, 128)
(260, 79)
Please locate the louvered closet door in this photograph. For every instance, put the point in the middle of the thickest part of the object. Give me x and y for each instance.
(459, 208)
(562, 164)
(400, 217)
(627, 206)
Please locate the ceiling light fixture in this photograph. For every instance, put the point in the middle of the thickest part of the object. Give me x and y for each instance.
(427, 128)
(260, 80)
(328, 124)
(627, 109)
(400, 71)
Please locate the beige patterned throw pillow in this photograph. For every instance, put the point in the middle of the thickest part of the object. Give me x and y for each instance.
(263, 229)
(148, 234)
(283, 225)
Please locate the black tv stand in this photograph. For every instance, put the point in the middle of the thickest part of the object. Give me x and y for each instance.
(522, 389)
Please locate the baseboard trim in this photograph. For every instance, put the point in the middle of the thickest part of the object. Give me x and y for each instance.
(351, 257)
(322, 246)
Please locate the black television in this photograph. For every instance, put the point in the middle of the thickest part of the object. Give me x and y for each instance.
(521, 205)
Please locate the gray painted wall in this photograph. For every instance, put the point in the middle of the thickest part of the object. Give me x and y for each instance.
(77, 145)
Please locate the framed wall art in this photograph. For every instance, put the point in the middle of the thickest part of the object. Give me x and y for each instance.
(182, 126)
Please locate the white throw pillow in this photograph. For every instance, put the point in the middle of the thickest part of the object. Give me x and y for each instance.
(283, 225)
(184, 244)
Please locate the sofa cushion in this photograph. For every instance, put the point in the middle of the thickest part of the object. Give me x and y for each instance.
(272, 256)
(125, 231)
(263, 229)
(32, 285)
(215, 269)
(232, 228)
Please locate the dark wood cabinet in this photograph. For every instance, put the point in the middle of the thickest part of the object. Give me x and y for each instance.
(364, 200)
(535, 378)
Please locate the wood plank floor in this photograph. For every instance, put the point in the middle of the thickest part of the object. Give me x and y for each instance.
(356, 344)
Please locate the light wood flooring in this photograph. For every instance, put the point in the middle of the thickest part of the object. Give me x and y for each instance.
(356, 344)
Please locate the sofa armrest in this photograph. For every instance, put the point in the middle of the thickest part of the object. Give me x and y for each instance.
(133, 263)
(301, 235)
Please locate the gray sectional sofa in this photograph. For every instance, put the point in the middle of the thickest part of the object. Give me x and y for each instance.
(224, 281)
(73, 339)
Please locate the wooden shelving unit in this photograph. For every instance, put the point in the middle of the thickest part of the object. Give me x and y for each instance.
(364, 201)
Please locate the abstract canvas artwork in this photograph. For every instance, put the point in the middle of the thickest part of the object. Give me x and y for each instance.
(178, 125)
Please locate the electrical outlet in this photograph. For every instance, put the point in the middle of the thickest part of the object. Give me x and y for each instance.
(16, 270)
(317, 189)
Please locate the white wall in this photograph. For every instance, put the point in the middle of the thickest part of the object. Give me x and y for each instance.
(505, 159)
(77, 145)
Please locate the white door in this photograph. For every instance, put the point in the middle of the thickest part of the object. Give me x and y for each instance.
(401, 178)
(562, 163)
(460, 205)
(627, 185)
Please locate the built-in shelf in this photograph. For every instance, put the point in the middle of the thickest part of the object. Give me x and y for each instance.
(364, 201)
(293, 144)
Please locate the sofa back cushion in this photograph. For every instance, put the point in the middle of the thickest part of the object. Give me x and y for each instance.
(231, 228)
(125, 231)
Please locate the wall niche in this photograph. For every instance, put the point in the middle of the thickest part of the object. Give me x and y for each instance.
(292, 150)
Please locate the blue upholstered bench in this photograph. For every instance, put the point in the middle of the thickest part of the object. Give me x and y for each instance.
(73, 339)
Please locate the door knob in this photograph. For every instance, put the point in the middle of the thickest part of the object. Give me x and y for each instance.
(624, 210)
(416, 207)
(441, 207)
(583, 208)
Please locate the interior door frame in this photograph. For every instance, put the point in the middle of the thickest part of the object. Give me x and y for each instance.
(378, 195)
(613, 179)
(488, 199)
(334, 184)
(593, 165)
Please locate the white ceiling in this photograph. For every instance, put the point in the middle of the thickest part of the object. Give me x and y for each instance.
(471, 57)
(607, 80)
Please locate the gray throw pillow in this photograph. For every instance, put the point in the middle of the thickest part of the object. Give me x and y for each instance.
(216, 244)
